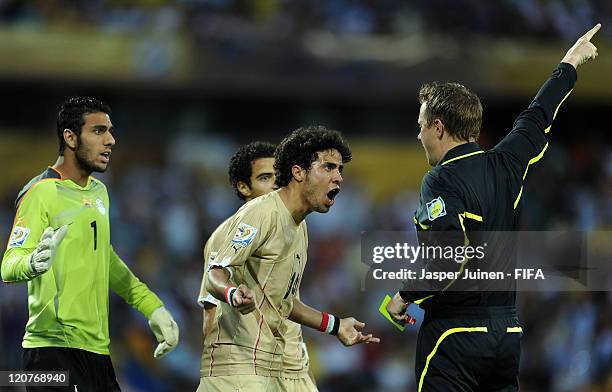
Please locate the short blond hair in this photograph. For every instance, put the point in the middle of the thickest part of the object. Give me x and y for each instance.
(456, 106)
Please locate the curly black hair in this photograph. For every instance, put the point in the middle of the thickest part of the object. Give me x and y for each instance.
(301, 148)
(71, 116)
(241, 169)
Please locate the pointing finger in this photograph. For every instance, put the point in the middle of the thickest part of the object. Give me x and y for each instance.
(589, 34)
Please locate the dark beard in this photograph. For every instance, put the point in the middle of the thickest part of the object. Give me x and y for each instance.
(81, 158)
(310, 195)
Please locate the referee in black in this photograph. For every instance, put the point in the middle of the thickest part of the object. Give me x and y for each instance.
(470, 340)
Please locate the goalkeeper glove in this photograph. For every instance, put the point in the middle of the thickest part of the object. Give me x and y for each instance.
(43, 256)
(166, 331)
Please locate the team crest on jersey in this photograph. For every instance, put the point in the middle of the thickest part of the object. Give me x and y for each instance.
(18, 236)
(436, 208)
(244, 235)
(100, 206)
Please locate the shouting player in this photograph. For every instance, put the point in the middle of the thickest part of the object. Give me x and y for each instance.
(251, 173)
(257, 272)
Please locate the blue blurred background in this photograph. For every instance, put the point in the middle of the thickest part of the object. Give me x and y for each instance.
(191, 80)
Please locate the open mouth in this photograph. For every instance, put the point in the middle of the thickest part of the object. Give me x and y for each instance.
(106, 155)
(331, 195)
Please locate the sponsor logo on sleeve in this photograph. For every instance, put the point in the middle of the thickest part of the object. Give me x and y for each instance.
(244, 235)
(436, 208)
(18, 236)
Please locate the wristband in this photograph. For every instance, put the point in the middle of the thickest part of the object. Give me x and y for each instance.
(336, 326)
(229, 292)
(329, 324)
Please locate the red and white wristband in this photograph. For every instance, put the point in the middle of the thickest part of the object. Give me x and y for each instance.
(329, 324)
(228, 294)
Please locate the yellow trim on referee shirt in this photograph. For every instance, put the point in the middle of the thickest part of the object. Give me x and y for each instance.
(514, 330)
(532, 161)
(466, 241)
(419, 301)
(416, 222)
(557, 109)
(462, 156)
(461, 217)
(469, 215)
(440, 339)
(541, 154)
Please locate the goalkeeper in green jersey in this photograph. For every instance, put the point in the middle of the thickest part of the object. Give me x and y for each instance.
(60, 245)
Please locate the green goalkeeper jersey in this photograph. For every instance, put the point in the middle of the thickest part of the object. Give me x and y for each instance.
(68, 304)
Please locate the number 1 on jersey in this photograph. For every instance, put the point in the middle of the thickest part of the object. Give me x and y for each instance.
(95, 233)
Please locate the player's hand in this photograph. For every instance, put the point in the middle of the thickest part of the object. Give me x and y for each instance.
(243, 299)
(349, 332)
(397, 310)
(583, 50)
(43, 256)
(166, 331)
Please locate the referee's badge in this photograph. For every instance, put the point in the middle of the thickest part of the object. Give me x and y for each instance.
(436, 208)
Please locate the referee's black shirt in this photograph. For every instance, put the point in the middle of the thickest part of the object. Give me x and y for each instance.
(471, 190)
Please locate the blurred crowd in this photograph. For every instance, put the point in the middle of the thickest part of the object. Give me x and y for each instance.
(299, 34)
(163, 210)
(294, 18)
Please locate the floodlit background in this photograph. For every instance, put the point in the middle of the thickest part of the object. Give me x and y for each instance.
(191, 80)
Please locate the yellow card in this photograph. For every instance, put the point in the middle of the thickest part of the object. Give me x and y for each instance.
(383, 310)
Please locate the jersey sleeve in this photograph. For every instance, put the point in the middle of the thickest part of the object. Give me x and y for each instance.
(124, 283)
(31, 219)
(249, 229)
(528, 139)
(204, 296)
(439, 223)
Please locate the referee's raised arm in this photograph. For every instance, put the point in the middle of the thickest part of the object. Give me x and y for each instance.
(528, 140)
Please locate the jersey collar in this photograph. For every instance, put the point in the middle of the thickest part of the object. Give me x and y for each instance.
(459, 152)
(74, 185)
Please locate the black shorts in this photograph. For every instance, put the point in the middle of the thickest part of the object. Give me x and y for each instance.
(469, 354)
(88, 371)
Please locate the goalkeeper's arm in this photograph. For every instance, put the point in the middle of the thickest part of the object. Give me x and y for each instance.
(28, 266)
(123, 282)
